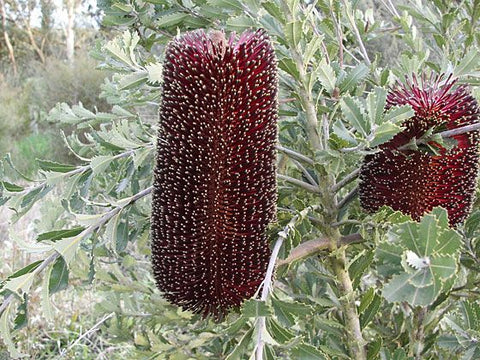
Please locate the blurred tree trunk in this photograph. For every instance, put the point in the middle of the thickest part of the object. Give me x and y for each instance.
(25, 17)
(47, 8)
(71, 6)
(11, 54)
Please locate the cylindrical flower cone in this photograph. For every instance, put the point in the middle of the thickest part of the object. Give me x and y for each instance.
(416, 181)
(214, 183)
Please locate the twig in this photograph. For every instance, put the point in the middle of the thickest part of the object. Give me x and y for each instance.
(76, 171)
(267, 284)
(346, 180)
(349, 197)
(37, 270)
(311, 247)
(88, 231)
(363, 50)
(305, 172)
(299, 183)
(347, 222)
(91, 330)
(295, 155)
(459, 130)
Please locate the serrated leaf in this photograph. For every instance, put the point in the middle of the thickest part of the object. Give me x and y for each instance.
(169, 20)
(366, 300)
(58, 276)
(358, 267)
(155, 73)
(55, 166)
(468, 64)
(286, 312)
(343, 133)
(226, 4)
(370, 311)
(6, 335)
(274, 10)
(400, 289)
(307, 352)
(312, 48)
(55, 235)
(21, 318)
(22, 282)
(293, 32)
(376, 101)
(374, 349)
(279, 333)
(255, 308)
(398, 114)
(354, 76)
(239, 350)
(355, 115)
(326, 76)
(68, 247)
(100, 163)
(385, 132)
(12, 187)
(27, 269)
(133, 80)
(45, 295)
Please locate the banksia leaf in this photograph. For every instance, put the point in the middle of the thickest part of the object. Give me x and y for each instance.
(214, 182)
(415, 181)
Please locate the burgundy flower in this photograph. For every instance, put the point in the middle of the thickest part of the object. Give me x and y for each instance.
(214, 182)
(415, 181)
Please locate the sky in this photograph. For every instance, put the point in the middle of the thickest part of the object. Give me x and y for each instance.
(61, 14)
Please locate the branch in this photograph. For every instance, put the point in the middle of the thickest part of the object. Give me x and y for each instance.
(305, 172)
(39, 269)
(299, 183)
(357, 33)
(267, 285)
(349, 197)
(312, 247)
(295, 155)
(76, 171)
(85, 233)
(346, 180)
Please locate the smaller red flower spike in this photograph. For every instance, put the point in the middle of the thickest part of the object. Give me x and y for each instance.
(214, 182)
(414, 181)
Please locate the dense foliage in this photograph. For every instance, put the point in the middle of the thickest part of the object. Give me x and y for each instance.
(348, 284)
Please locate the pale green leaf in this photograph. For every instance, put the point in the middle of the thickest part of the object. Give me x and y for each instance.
(6, 335)
(293, 32)
(354, 113)
(255, 308)
(312, 48)
(240, 348)
(68, 247)
(354, 77)
(468, 64)
(307, 352)
(399, 113)
(376, 101)
(22, 282)
(326, 76)
(100, 163)
(385, 132)
(155, 73)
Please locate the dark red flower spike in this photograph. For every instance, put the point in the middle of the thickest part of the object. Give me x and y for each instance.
(214, 182)
(414, 181)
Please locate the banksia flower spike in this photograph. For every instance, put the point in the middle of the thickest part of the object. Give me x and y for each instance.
(414, 181)
(214, 182)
